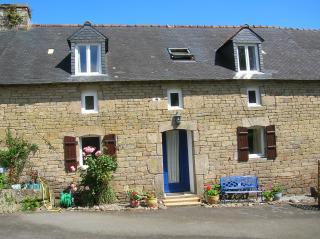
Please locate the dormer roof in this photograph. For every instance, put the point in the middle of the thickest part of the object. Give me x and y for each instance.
(87, 33)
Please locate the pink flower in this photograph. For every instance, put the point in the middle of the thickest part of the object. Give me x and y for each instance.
(98, 153)
(89, 150)
(72, 168)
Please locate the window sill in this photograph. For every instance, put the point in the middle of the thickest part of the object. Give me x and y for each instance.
(175, 108)
(88, 74)
(255, 157)
(89, 112)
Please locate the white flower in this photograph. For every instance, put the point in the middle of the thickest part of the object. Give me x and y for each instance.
(83, 167)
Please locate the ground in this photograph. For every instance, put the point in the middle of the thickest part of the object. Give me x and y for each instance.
(270, 221)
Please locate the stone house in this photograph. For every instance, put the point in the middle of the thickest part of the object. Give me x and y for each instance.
(179, 105)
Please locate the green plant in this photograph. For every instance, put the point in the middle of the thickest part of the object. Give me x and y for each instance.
(277, 189)
(212, 190)
(134, 195)
(13, 17)
(268, 195)
(30, 204)
(3, 181)
(96, 178)
(150, 195)
(15, 156)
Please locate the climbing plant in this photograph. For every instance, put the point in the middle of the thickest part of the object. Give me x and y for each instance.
(16, 156)
(13, 17)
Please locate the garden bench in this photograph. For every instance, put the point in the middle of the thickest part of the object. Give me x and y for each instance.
(239, 185)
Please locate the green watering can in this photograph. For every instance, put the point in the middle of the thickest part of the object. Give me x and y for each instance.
(66, 199)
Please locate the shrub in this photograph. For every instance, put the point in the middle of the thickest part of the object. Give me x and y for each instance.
(3, 181)
(15, 156)
(30, 204)
(96, 178)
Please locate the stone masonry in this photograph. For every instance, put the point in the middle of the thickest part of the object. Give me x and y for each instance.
(44, 114)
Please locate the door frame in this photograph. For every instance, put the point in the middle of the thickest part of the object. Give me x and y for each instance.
(190, 161)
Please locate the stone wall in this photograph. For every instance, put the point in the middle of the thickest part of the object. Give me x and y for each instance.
(44, 114)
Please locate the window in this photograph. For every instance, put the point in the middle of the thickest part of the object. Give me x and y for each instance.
(93, 141)
(256, 141)
(89, 102)
(88, 59)
(253, 94)
(183, 54)
(248, 58)
(175, 99)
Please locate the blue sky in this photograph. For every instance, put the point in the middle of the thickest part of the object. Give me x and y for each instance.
(285, 13)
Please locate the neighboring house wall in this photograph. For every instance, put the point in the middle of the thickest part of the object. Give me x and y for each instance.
(44, 114)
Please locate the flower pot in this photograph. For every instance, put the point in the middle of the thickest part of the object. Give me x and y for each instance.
(267, 199)
(277, 196)
(152, 202)
(16, 186)
(134, 203)
(213, 199)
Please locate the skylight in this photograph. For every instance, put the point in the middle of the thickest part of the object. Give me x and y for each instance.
(182, 54)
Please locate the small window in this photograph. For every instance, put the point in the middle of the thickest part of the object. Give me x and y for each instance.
(89, 102)
(88, 59)
(248, 58)
(253, 94)
(92, 141)
(175, 99)
(182, 54)
(256, 142)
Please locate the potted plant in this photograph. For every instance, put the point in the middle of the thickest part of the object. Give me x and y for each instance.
(212, 193)
(277, 192)
(152, 200)
(268, 195)
(135, 198)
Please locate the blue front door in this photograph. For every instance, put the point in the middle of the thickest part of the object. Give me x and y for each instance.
(175, 161)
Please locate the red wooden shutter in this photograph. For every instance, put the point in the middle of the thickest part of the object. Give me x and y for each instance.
(271, 149)
(243, 146)
(109, 143)
(70, 153)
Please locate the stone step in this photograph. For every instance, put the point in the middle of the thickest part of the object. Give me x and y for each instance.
(181, 201)
(176, 204)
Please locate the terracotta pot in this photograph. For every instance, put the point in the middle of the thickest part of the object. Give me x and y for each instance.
(213, 199)
(134, 203)
(152, 202)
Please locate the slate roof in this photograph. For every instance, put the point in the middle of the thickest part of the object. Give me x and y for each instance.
(139, 53)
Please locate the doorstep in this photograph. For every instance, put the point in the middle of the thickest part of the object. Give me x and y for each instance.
(181, 199)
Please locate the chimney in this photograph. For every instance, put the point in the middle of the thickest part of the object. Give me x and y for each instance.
(14, 16)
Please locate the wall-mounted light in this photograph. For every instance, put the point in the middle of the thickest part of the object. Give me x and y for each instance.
(176, 120)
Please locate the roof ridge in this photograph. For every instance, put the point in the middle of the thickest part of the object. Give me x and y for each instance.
(176, 26)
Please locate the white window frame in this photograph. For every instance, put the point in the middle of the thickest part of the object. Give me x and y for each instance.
(247, 57)
(258, 96)
(262, 142)
(83, 103)
(88, 60)
(80, 146)
(179, 92)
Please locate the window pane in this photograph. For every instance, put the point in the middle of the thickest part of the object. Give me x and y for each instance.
(82, 58)
(255, 140)
(252, 97)
(89, 102)
(242, 58)
(174, 99)
(94, 58)
(252, 58)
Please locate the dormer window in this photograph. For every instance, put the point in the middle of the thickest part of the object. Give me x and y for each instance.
(248, 58)
(88, 51)
(88, 59)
